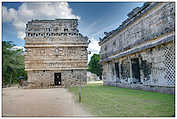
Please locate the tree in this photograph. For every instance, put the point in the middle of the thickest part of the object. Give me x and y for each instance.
(12, 63)
(94, 65)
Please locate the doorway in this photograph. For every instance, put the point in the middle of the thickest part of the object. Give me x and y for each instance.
(135, 68)
(117, 69)
(57, 79)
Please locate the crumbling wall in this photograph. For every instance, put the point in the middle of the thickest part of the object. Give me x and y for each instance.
(125, 70)
(158, 21)
(157, 70)
(157, 65)
(108, 72)
(40, 79)
(147, 37)
(74, 78)
(104, 73)
(45, 79)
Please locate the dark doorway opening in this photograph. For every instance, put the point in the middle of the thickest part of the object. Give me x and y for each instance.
(135, 69)
(117, 69)
(57, 79)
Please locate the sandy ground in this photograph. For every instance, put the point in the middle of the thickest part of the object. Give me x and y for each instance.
(40, 102)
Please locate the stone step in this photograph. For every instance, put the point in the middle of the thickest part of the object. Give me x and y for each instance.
(55, 86)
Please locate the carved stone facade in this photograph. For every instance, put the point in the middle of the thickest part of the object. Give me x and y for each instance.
(56, 53)
(140, 53)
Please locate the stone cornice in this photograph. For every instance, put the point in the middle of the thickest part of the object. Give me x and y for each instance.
(139, 42)
(55, 20)
(153, 43)
(53, 61)
(56, 45)
(127, 23)
(55, 69)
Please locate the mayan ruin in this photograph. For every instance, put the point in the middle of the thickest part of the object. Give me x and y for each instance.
(56, 53)
(88, 59)
(140, 53)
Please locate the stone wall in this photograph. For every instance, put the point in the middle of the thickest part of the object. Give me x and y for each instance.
(92, 77)
(56, 57)
(160, 89)
(44, 79)
(156, 68)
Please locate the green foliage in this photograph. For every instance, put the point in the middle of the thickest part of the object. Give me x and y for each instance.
(12, 63)
(94, 66)
(122, 102)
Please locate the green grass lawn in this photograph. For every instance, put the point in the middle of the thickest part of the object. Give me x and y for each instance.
(112, 101)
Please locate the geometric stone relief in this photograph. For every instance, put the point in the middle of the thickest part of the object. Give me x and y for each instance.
(169, 54)
(55, 53)
(50, 65)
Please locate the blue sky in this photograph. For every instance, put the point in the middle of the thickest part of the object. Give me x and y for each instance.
(95, 17)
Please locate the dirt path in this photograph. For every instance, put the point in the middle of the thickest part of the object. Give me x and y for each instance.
(40, 102)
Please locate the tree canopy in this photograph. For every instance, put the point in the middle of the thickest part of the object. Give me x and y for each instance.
(12, 63)
(94, 66)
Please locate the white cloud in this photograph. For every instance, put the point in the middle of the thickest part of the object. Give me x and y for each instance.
(93, 47)
(29, 11)
(8, 14)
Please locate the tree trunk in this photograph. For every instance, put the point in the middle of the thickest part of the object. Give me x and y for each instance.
(10, 80)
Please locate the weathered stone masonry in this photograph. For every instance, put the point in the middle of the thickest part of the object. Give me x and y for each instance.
(140, 53)
(56, 53)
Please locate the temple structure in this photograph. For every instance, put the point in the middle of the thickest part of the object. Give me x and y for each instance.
(140, 53)
(56, 53)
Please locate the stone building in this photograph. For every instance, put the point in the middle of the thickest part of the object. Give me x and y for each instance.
(56, 53)
(92, 77)
(140, 53)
